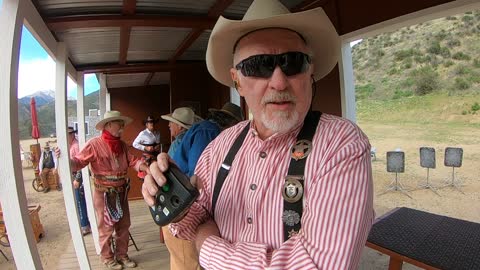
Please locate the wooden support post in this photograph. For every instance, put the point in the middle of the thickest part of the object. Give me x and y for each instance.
(64, 162)
(85, 174)
(12, 188)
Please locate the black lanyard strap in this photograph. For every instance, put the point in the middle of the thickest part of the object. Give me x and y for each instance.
(292, 210)
(227, 163)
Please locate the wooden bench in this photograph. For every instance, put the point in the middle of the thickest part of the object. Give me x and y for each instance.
(426, 240)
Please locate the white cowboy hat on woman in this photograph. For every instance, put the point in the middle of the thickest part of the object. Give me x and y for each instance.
(110, 116)
(313, 25)
(182, 116)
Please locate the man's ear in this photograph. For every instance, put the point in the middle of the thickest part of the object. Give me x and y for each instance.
(236, 82)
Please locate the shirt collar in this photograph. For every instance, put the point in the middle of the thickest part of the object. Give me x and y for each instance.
(292, 132)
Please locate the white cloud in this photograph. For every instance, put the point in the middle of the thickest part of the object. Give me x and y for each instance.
(353, 43)
(36, 75)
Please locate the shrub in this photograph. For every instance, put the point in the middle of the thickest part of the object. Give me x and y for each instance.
(464, 112)
(451, 18)
(461, 56)
(448, 63)
(462, 84)
(422, 59)
(408, 82)
(467, 18)
(400, 55)
(475, 107)
(364, 91)
(399, 94)
(453, 43)
(441, 35)
(426, 80)
(476, 63)
(392, 71)
(408, 64)
(474, 77)
(462, 70)
(434, 47)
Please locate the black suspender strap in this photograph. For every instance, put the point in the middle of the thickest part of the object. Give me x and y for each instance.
(293, 188)
(294, 181)
(227, 163)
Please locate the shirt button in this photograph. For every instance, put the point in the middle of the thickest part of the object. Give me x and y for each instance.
(263, 154)
(249, 220)
(253, 186)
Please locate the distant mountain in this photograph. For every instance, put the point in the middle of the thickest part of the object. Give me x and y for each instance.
(41, 97)
(45, 101)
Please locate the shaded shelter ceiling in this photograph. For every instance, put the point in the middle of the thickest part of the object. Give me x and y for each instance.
(138, 42)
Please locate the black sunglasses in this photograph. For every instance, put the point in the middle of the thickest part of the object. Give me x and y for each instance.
(263, 65)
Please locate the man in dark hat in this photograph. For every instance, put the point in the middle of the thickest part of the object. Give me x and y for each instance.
(148, 141)
(47, 165)
(78, 184)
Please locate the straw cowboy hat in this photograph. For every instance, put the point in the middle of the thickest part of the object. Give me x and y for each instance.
(230, 109)
(110, 116)
(182, 116)
(314, 25)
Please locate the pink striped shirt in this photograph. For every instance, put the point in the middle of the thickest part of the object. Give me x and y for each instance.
(338, 201)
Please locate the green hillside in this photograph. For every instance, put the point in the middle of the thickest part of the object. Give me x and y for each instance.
(46, 115)
(424, 73)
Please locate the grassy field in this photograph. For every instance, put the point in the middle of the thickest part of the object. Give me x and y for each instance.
(437, 121)
(408, 124)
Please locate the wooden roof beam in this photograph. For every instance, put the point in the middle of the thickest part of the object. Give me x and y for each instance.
(308, 4)
(138, 68)
(149, 78)
(129, 7)
(60, 24)
(216, 10)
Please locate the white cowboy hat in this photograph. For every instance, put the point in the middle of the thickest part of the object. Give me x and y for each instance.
(110, 116)
(314, 26)
(182, 116)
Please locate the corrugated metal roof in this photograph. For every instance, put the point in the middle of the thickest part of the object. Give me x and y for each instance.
(126, 80)
(160, 78)
(53, 8)
(92, 45)
(175, 7)
(238, 8)
(153, 43)
(197, 50)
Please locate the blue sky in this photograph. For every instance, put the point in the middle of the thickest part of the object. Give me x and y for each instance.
(37, 69)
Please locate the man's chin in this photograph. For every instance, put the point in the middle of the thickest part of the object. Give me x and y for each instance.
(280, 122)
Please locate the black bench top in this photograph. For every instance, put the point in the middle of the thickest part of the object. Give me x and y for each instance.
(439, 241)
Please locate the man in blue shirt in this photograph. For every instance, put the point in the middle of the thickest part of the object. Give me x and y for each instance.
(179, 122)
(202, 133)
(183, 254)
